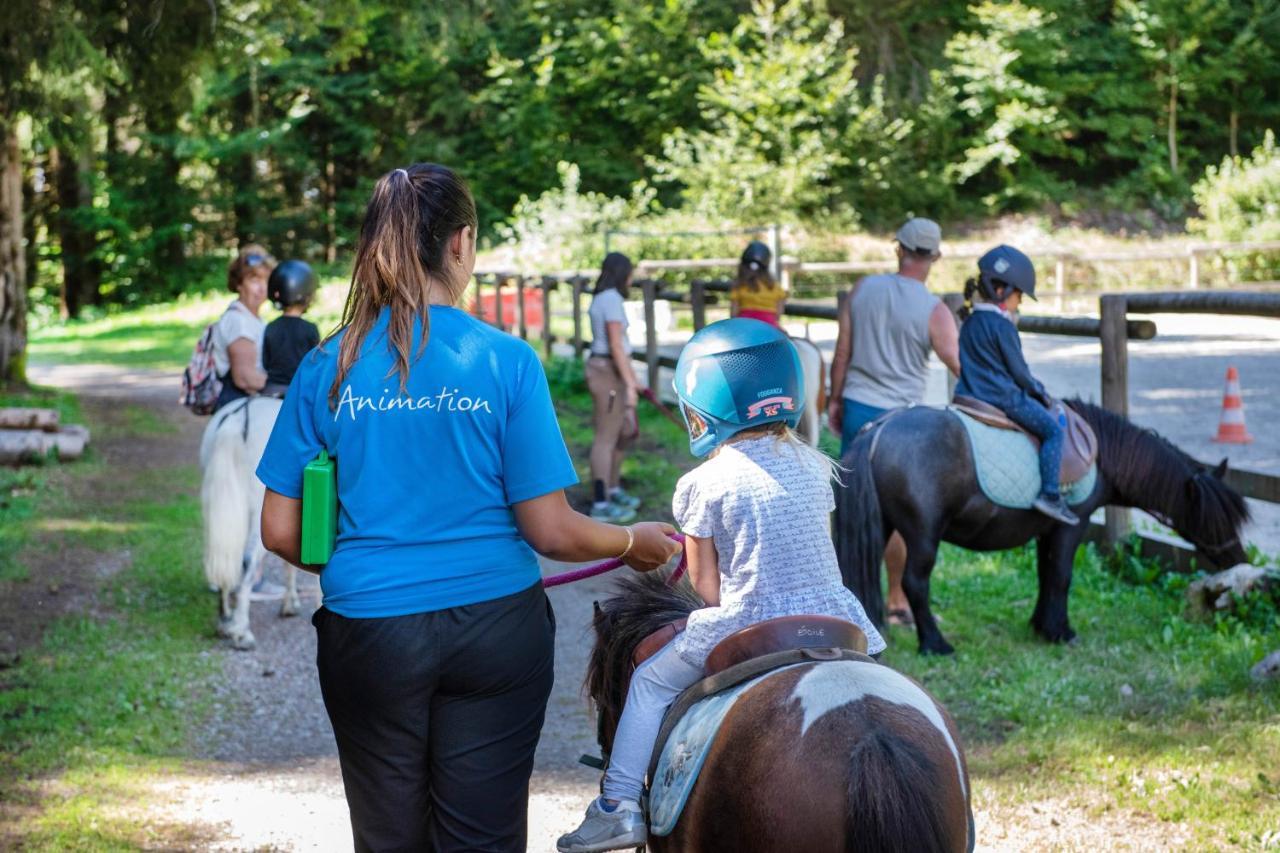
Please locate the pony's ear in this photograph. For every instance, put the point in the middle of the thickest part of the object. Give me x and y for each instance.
(1221, 470)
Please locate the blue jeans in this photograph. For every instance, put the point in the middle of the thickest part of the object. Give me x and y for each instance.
(1043, 424)
(856, 416)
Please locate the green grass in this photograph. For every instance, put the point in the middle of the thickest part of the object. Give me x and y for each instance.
(105, 701)
(1147, 712)
(158, 336)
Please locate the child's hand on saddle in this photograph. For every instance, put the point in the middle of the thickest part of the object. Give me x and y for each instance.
(835, 415)
(652, 547)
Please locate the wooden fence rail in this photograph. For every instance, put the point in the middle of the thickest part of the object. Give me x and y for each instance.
(1112, 327)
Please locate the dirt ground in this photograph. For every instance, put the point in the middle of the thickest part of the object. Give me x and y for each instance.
(263, 775)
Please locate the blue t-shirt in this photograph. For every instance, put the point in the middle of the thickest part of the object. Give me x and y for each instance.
(427, 476)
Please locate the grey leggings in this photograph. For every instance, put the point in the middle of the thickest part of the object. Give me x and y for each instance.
(654, 686)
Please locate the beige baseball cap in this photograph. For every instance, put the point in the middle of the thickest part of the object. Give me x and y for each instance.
(920, 235)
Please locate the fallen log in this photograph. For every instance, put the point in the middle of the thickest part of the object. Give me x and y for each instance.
(1220, 591)
(41, 419)
(33, 445)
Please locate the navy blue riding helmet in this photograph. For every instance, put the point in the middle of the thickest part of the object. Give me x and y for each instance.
(734, 375)
(756, 256)
(291, 283)
(1003, 270)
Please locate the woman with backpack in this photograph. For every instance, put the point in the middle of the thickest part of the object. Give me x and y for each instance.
(435, 642)
(237, 336)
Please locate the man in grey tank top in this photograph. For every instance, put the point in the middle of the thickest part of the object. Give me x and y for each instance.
(890, 324)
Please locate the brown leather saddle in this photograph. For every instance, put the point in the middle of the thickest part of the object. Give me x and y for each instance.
(1079, 444)
(773, 635)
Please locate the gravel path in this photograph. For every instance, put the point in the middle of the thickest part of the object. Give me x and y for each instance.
(263, 773)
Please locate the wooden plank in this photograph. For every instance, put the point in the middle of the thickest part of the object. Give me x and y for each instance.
(548, 284)
(499, 319)
(1082, 327)
(698, 301)
(1253, 303)
(650, 288)
(577, 316)
(521, 325)
(1115, 388)
(1177, 555)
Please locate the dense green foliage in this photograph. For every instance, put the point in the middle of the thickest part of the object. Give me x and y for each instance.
(155, 136)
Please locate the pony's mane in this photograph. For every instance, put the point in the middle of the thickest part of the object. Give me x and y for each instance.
(641, 604)
(1149, 471)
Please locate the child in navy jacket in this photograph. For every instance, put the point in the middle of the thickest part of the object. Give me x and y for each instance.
(993, 370)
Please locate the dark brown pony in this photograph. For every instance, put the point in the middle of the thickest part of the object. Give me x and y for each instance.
(834, 756)
(913, 471)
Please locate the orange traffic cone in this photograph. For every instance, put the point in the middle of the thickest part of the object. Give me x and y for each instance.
(1231, 429)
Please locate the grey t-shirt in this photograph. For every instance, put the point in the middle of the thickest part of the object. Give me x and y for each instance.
(889, 317)
(607, 307)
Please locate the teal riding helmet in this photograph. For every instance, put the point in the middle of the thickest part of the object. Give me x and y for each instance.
(734, 375)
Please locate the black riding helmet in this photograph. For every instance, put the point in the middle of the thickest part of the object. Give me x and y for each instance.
(1005, 269)
(756, 256)
(291, 283)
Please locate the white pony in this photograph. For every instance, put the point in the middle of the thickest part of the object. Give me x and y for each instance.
(231, 499)
(815, 390)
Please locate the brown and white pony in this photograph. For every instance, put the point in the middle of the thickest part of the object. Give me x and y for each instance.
(830, 756)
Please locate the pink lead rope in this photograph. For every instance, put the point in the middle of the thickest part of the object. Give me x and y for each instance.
(609, 565)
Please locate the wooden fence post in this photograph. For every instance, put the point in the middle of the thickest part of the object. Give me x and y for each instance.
(1059, 282)
(520, 318)
(698, 302)
(650, 288)
(548, 284)
(1115, 388)
(498, 319)
(576, 284)
(1193, 269)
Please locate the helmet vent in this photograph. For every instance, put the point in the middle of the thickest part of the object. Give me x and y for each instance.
(746, 369)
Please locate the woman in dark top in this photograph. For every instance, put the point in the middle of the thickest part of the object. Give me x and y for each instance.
(435, 642)
(993, 370)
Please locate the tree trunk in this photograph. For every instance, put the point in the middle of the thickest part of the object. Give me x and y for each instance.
(13, 275)
(30, 224)
(330, 209)
(1173, 111)
(1234, 141)
(67, 179)
(244, 204)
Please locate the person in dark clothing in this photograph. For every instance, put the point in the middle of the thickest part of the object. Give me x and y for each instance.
(288, 337)
(993, 370)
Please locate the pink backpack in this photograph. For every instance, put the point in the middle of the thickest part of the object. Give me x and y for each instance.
(200, 383)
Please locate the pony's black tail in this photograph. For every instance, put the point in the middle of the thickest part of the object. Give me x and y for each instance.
(860, 535)
(894, 804)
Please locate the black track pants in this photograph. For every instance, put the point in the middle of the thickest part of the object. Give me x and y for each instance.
(437, 716)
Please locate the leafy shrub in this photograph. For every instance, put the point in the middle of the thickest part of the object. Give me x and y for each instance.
(1239, 201)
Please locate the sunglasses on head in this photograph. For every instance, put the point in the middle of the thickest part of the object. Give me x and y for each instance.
(254, 259)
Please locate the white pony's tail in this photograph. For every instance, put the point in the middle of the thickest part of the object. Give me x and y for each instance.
(224, 497)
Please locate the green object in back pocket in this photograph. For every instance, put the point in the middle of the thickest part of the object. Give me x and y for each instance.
(319, 510)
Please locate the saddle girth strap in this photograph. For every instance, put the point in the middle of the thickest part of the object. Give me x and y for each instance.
(736, 675)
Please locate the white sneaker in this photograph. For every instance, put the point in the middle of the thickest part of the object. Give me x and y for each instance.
(621, 829)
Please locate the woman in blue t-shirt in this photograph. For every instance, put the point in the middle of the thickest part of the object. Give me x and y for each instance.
(435, 641)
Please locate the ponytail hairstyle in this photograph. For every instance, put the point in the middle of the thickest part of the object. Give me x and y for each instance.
(615, 274)
(970, 288)
(402, 252)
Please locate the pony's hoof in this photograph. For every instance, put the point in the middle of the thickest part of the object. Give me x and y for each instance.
(224, 629)
(938, 647)
(243, 642)
(290, 608)
(1064, 636)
